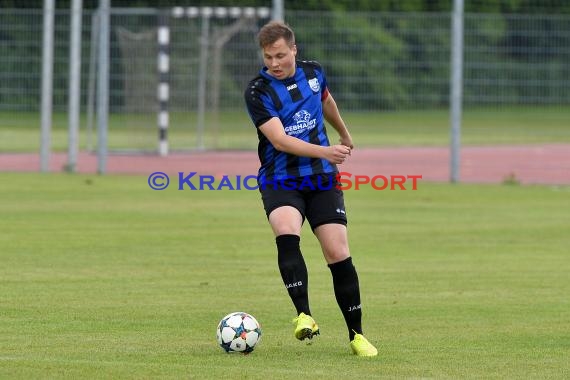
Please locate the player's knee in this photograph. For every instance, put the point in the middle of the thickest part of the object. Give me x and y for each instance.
(286, 221)
(336, 255)
(279, 230)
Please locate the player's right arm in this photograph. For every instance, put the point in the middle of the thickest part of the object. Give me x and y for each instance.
(273, 130)
(264, 115)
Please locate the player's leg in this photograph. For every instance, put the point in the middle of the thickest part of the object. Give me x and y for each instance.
(285, 214)
(327, 216)
(286, 222)
(334, 244)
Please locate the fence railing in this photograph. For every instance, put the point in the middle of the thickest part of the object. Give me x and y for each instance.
(374, 62)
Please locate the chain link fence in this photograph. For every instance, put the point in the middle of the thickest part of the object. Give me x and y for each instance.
(377, 64)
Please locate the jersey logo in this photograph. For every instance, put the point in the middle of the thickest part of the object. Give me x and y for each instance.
(303, 122)
(302, 117)
(314, 84)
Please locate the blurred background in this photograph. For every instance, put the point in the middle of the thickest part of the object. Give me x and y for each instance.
(387, 64)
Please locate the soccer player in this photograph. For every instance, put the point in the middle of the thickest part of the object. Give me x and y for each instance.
(297, 179)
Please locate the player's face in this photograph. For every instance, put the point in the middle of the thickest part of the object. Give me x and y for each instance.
(280, 59)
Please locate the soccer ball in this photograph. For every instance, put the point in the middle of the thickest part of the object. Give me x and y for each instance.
(238, 332)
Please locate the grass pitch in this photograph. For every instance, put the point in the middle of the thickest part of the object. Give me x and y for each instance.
(20, 132)
(102, 277)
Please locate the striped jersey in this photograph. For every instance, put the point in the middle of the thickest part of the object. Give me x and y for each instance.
(297, 102)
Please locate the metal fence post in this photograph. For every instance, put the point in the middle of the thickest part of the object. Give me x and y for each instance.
(203, 76)
(278, 10)
(456, 95)
(163, 92)
(103, 85)
(47, 84)
(74, 84)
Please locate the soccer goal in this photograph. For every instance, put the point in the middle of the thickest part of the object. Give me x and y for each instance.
(177, 77)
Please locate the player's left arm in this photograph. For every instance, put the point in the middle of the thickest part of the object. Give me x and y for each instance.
(332, 115)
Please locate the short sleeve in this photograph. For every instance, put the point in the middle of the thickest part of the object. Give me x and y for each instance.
(259, 104)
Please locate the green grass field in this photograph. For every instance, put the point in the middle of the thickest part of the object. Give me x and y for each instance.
(490, 126)
(102, 277)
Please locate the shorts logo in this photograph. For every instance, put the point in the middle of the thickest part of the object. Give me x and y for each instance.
(314, 84)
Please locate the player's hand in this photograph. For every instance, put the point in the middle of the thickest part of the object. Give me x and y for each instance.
(346, 141)
(337, 154)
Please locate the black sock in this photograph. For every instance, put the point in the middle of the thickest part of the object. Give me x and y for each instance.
(293, 271)
(347, 293)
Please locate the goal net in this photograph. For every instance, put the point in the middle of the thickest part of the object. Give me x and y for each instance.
(178, 76)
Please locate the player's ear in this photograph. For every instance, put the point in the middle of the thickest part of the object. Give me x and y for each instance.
(294, 49)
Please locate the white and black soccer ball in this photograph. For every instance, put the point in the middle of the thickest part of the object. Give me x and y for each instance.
(238, 332)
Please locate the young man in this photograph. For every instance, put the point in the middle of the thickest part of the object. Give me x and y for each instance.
(297, 178)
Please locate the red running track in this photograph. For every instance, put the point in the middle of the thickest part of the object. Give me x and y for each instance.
(529, 164)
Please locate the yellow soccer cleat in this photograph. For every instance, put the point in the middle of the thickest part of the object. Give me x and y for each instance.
(305, 327)
(362, 347)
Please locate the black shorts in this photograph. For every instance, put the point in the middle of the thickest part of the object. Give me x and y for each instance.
(317, 197)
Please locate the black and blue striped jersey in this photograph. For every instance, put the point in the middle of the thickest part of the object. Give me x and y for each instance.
(297, 102)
